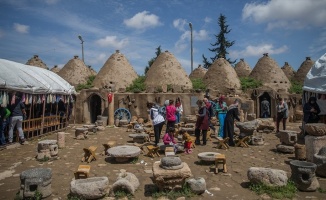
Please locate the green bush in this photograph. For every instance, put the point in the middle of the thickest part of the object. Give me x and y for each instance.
(296, 88)
(87, 85)
(249, 83)
(278, 192)
(198, 84)
(138, 85)
(184, 192)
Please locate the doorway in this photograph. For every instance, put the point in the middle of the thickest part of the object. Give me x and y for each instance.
(264, 96)
(95, 106)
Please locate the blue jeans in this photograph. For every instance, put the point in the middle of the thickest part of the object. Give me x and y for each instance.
(3, 125)
(16, 121)
(265, 114)
(177, 115)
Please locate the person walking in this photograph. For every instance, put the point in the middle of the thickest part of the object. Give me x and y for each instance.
(157, 120)
(17, 109)
(221, 109)
(264, 108)
(231, 115)
(282, 114)
(202, 123)
(170, 115)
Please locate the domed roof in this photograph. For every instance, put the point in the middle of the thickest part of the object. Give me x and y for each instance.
(37, 62)
(166, 70)
(222, 76)
(116, 71)
(199, 72)
(55, 69)
(288, 70)
(270, 74)
(303, 70)
(242, 68)
(75, 72)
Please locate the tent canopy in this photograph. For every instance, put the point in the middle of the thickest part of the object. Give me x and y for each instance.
(315, 80)
(33, 80)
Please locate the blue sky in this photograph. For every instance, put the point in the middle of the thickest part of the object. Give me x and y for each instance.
(289, 30)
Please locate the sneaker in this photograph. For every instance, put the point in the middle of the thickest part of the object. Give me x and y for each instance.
(22, 141)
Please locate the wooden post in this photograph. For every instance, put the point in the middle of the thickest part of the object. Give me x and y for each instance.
(43, 113)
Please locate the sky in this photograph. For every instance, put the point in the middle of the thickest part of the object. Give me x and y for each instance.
(288, 30)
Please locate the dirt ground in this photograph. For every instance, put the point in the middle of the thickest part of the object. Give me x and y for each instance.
(230, 185)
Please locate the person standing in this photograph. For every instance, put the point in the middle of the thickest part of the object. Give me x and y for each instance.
(4, 120)
(282, 114)
(178, 106)
(202, 123)
(210, 113)
(231, 115)
(157, 120)
(311, 111)
(170, 115)
(221, 109)
(264, 106)
(17, 109)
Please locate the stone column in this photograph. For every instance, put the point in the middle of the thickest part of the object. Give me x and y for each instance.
(111, 109)
(61, 139)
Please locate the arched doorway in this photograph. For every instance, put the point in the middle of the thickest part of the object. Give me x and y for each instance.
(266, 96)
(95, 107)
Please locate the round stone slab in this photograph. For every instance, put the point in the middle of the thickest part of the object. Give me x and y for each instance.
(172, 163)
(207, 156)
(124, 152)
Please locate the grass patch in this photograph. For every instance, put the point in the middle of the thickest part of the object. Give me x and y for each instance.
(44, 159)
(278, 192)
(198, 84)
(134, 160)
(249, 83)
(73, 197)
(87, 85)
(174, 194)
(321, 190)
(37, 196)
(122, 194)
(296, 88)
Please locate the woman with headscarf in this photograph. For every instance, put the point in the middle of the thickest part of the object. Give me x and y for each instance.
(221, 109)
(282, 114)
(202, 122)
(231, 115)
(311, 111)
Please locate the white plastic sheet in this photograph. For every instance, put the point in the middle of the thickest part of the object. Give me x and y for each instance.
(33, 80)
(315, 80)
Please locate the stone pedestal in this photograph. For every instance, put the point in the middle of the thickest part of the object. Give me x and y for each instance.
(123, 153)
(303, 175)
(320, 161)
(300, 152)
(36, 179)
(46, 146)
(166, 179)
(89, 188)
(316, 129)
(81, 133)
(313, 145)
(61, 139)
(288, 137)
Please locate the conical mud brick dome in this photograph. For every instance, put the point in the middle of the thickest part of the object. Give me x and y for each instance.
(221, 76)
(36, 61)
(116, 73)
(242, 68)
(75, 72)
(288, 70)
(166, 70)
(55, 69)
(199, 72)
(270, 74)
(303, 70)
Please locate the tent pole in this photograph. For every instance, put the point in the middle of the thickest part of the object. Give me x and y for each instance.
(43, 113)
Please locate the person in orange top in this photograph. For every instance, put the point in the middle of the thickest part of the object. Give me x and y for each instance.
(187, 140)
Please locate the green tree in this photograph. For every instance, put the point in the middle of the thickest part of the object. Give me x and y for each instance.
(219, 48)
(152, 60)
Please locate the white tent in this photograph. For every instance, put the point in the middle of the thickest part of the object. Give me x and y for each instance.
(34, 80)
(315, 84)
(315, 80)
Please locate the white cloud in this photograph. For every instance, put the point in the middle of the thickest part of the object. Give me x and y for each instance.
(113, 42)
(207, 20)
(99, 59)
(142, 20)
(20, 28)
(258, 50)
(294, 14)
(180, 24)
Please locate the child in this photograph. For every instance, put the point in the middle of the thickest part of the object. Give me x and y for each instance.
(187, 141)
(168, 139)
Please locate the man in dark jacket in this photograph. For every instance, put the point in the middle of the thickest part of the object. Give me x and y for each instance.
(231, 115)
(17, 109)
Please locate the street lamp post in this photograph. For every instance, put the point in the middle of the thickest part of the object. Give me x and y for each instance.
(82, 43)
(191, 49)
